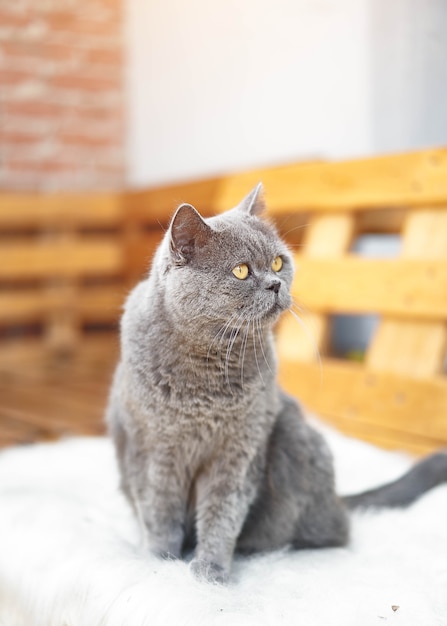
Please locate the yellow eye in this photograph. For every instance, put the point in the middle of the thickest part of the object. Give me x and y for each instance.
(240, 271)
(277, 264)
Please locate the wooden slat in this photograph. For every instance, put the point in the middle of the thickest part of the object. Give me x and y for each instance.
(413, 179)
(62, 325)
(425, 234)
(302, 335)
(328, 236)
(159, 203)
(93, 356)
(51, 420)
(47, 398)
(81, 257)
(307, 331)
(407, 288)
(58, 382)
(19, 210)
(96, 303)
(139, 249)
(347, 391)
(385, 437)
(416, 348)
(15, 428)
(148, 206)
(407, 179)
(53, 406)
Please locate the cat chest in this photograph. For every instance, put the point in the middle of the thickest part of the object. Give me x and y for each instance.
(198, 443)
(206, 419)
(199, 412)
(201, 418)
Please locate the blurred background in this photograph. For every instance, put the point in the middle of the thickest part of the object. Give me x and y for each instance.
(98, 94)
(101, 96)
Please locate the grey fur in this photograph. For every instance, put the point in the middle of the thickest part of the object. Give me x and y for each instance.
(212, 454)
(425, 475)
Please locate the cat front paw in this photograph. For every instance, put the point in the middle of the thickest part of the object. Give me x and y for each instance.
(208, 571)
(168, 555)
(167, 548)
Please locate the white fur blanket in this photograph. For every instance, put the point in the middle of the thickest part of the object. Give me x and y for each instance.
(69, 554)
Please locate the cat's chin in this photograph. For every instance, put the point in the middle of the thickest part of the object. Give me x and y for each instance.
(272, 314)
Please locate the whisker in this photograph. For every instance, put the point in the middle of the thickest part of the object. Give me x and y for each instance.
(234, 317)
(255, 352)
(220, 333)
(282, 223)
(301, 308)
(291, 230)
(311, 338)
(295, 245)
(262, 346)
(243, 349)
(231, 342)
(223, 363)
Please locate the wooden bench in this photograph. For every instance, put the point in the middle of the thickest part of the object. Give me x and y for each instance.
(67, 261)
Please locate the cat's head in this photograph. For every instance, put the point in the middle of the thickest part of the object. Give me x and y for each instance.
(232, 268)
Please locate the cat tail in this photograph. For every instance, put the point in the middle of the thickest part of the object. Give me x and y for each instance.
(425, 475)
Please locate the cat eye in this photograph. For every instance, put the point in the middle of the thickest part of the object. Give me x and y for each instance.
(240, 271)
(277, 264)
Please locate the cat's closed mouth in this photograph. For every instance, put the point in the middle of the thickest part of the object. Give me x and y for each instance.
(277, 308)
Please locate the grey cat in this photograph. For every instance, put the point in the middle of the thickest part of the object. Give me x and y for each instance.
(213, 455)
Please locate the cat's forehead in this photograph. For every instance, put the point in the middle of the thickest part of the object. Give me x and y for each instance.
(235, 234)
(232, 223)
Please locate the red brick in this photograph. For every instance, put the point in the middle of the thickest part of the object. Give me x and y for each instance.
(14, 18)
(80, 139)
(40, 127)
(76, 114)
(79, 26)
(14, 77)
(112, 5)
(35, 108)
(41, 166)
(59, 20)
(115, 170)
(100, 114)
(50, 56)
(83, 124)
(117, 5)
(107, 56)
(17, 137)
(85, 83)
(40, 50)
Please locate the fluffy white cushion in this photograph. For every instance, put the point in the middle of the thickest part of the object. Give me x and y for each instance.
(69, 554)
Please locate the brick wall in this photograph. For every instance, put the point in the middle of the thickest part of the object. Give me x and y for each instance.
(61, 94)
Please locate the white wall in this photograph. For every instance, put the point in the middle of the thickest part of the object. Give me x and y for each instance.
(219, 85)
(408, 73)
(216, 86)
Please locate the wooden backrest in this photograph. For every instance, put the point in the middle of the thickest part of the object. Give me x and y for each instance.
(67, 261)
(398, 395)
(61, 265)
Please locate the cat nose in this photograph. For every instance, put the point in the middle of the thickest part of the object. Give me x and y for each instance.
(274, 285)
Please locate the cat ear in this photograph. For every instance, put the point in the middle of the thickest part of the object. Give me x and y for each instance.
(254, 203)
(188, 231)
